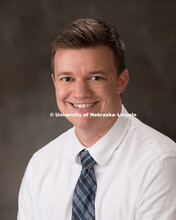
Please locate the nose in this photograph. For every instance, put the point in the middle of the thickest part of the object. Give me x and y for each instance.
(81, 90)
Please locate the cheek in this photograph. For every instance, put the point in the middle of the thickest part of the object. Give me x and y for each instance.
(60, 93)
(108, 92)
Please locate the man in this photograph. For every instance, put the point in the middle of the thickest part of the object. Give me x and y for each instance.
(106, 166)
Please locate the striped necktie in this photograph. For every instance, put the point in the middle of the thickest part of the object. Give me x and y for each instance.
(83, 206)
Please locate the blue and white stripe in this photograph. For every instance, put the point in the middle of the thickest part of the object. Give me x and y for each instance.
(83, 206)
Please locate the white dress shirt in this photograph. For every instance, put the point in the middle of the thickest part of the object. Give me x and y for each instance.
(135, 173)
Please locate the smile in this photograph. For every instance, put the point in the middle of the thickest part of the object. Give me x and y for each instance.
(83, 106)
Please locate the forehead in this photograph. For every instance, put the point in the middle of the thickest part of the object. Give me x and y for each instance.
(95, 57)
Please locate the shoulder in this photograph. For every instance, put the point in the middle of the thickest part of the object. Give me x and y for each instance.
(148, 147)
(55, 149)
(151, 137)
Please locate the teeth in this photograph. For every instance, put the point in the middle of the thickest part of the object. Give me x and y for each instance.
(83, 105)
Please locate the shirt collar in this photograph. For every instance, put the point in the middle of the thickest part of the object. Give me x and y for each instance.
(103, 149)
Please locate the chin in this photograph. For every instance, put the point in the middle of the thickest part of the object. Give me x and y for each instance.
(82, 123)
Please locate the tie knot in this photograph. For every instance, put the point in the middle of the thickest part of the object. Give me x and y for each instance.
(86, 160)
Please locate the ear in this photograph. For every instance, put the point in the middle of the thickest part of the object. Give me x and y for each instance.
(53, 78)
(122, 81)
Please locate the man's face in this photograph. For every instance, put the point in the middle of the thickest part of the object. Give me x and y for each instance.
(86, 82)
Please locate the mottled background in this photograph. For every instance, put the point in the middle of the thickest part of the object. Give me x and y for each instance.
(26, 91)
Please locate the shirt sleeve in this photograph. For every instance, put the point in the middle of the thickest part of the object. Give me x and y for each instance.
(158, 197)
(25, 209)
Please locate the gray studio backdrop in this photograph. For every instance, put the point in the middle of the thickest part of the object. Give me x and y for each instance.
(26, 91)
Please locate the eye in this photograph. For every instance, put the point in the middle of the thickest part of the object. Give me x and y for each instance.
(66, 79)
(96, 78)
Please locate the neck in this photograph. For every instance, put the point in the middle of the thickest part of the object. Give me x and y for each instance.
(90, 136)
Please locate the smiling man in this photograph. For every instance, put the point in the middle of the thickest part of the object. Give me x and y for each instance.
(86, 81)
(104, 167)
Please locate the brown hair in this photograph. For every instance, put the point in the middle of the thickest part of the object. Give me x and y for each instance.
(88, 32)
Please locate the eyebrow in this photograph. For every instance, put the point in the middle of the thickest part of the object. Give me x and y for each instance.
(64, 73)
(91, 73)
(97, 72)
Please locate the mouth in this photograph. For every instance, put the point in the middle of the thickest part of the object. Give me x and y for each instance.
(84, 105)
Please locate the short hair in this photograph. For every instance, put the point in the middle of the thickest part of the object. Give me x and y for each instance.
(87, 33)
